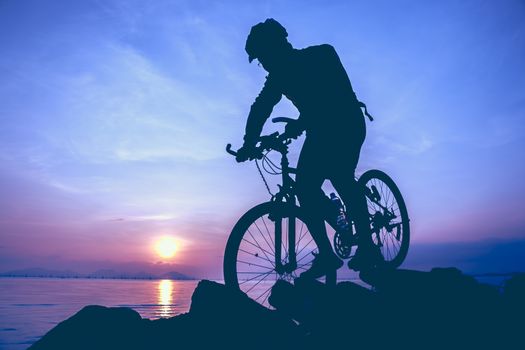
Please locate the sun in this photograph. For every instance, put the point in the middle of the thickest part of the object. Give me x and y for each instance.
(166, 247)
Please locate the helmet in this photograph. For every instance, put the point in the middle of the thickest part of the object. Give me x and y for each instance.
(263, 36)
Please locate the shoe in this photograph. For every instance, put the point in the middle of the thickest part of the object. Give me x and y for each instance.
(366, 259)
(321, 265)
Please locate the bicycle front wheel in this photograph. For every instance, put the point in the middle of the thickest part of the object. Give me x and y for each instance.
(252, 256)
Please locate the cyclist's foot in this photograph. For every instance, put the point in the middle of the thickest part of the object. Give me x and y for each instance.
(366, 259)
(321, 264)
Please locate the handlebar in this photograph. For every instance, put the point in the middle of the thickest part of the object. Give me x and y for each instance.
(229, 150)
(275, 141)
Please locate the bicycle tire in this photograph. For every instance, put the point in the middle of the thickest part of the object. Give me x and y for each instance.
(242, 227)
(389, 185)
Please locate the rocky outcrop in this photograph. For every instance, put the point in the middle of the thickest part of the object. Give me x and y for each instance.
(404, 309)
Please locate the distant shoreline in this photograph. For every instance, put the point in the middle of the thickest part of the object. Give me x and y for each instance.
(102, 278)
(99, 274)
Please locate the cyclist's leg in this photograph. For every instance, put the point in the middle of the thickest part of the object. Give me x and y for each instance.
(355, 202)
(309, 179)
(343, 179)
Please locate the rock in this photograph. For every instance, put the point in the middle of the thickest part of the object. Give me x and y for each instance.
(514, 290)
(232, 320)
(405, 309)
(443, 305)
(331, 316)
(514, 307)
(97, 327)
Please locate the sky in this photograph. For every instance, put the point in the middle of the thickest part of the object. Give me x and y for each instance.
(114, 116)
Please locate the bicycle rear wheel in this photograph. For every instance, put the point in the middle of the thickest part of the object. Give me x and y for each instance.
(388, 216)
(251, 255)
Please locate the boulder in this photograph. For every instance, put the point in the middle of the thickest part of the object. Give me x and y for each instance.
(97, 327)
(229, 319)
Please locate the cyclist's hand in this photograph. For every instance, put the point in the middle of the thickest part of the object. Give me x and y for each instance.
(294, 129)
(245, 153)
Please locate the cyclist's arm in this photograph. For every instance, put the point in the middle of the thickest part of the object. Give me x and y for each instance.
(260, 110)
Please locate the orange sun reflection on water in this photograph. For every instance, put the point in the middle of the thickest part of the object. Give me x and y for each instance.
(165, 299)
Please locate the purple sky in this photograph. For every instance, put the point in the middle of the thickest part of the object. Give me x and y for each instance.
(115, 114)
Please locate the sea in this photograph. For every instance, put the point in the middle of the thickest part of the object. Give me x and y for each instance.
(30, 307)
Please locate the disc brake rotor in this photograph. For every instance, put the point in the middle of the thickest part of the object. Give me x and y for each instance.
(342, 246)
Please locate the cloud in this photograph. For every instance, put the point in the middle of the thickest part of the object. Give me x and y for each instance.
(124, 109)
(154, 217)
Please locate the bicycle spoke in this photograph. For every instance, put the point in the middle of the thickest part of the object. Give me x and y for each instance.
(395, 241)
(258, 246)
(382, 193)
(305, 264)
(387, 246)
(250, 272)
(251, 279)
(269, 234)
(301, 234)
(252, 264)
(304, 256)
(267, 290)
(393, 247)
(271, 248)
(256, 284)
(257, 256)
(256, 242)
(299, 252)
(266, 298)
(386, 193)
(382, 189)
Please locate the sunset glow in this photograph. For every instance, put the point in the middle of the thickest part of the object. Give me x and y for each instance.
(166, 247)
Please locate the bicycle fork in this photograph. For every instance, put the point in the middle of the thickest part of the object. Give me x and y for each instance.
(290, 254)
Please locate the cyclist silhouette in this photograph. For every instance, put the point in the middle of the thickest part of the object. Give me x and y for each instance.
(316, 82)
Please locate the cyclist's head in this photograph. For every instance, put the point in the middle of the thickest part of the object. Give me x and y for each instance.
(266, 41)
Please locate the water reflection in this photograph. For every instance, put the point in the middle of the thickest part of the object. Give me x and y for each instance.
(165, 288)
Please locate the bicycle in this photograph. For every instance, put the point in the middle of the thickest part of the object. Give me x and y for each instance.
(271, 240)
